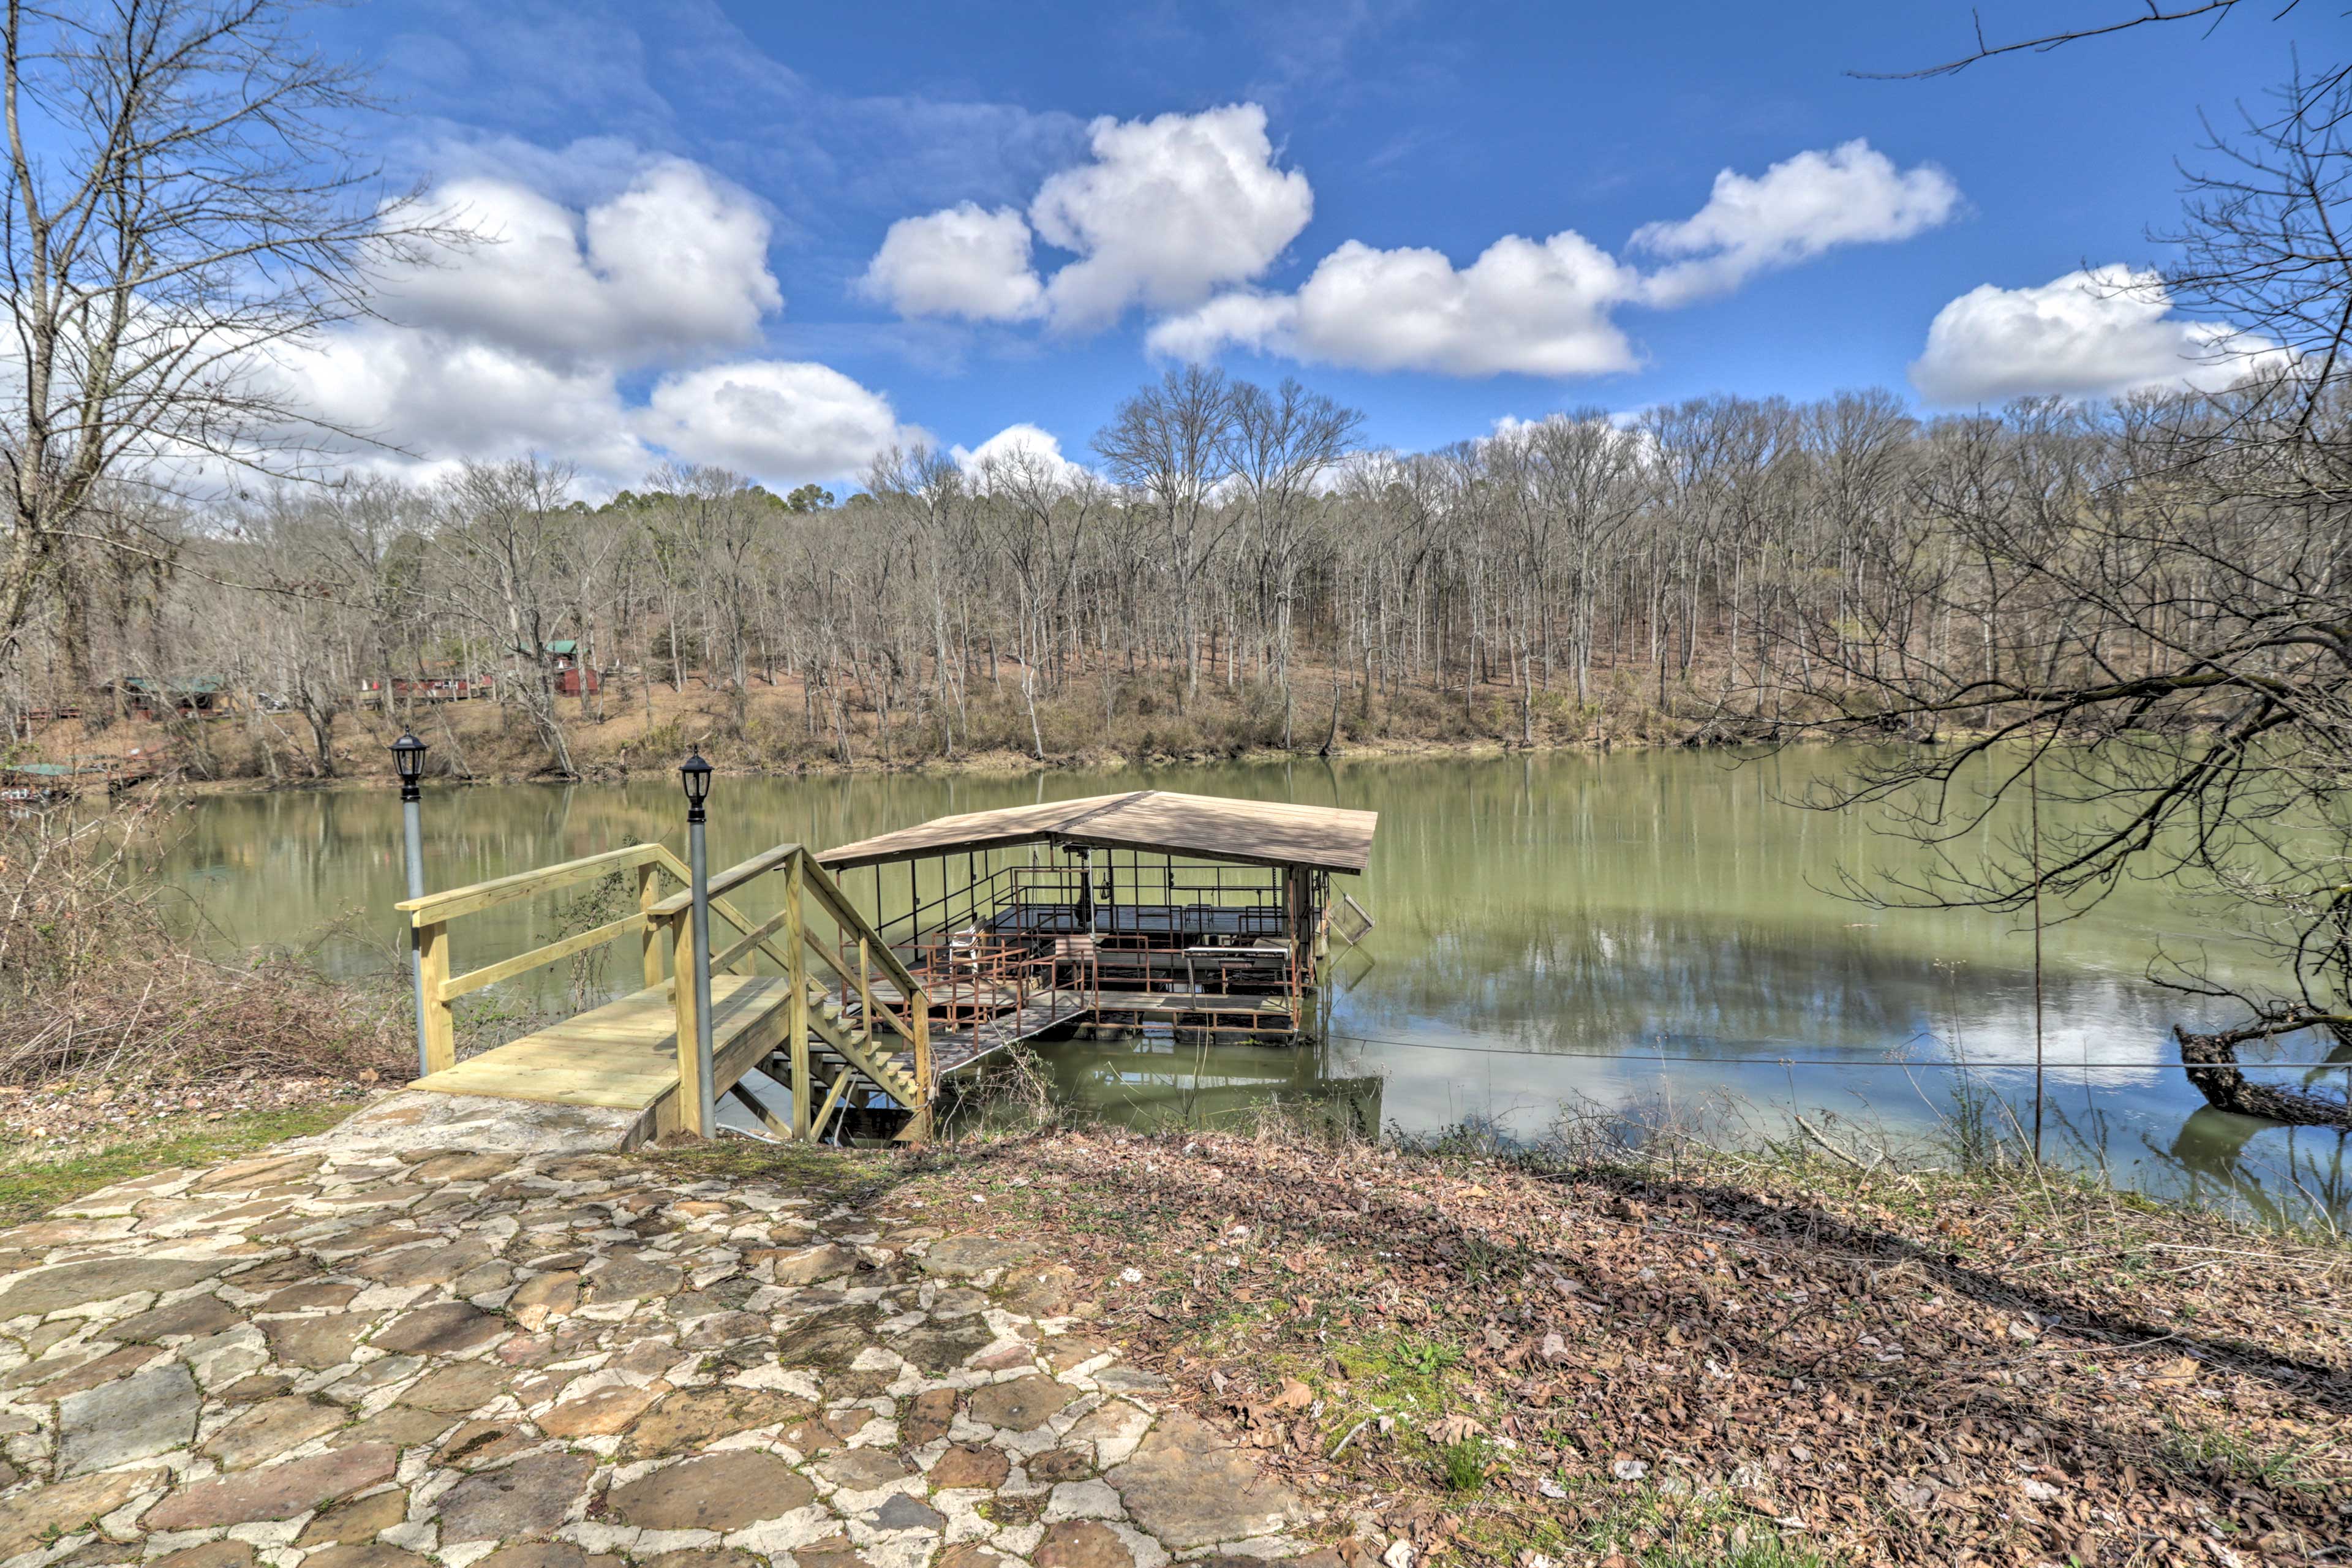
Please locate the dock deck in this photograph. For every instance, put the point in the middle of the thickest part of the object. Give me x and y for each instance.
(623, 1055)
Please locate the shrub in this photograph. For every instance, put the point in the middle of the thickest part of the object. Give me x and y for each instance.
(95, 980)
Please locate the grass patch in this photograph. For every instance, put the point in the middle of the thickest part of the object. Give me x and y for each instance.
(845, 1176)
(1396, 1374)
(1642, 1526)
(1770, 1551)
(30, 1187)
(2211, 1454)
(1467, 1464)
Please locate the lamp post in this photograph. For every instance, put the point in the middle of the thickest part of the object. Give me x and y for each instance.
(695, 774)
(408, 757)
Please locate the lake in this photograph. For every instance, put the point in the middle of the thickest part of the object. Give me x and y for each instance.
(1651, 929)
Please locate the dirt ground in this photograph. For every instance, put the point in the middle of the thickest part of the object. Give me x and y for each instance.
(1751, 1363)
(1454, 1357)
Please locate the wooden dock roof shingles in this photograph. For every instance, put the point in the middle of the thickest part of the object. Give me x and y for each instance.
(1250, 832)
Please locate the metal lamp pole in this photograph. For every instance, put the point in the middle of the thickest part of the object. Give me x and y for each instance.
(408, 757)
(695, 773)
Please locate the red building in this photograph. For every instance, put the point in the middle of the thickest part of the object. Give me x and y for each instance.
(569, 671)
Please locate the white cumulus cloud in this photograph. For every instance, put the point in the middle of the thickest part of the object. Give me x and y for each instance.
(1166, 211)
(433, 398)
(674, 263)
(1183, 216)
(1549, 306)
(963, 261)
(781, 418)
(1018, 450)
(2095, 333)
(537, 339)
(1171, 209)
(1795, 210)
(1539, 309)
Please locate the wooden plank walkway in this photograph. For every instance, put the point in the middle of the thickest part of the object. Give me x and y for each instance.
(955, 1048)
(623, 1055)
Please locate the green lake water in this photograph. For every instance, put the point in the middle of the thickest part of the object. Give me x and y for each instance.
(1645, 929)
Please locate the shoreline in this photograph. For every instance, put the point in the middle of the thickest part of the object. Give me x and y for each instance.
(977, 765)
(776, 733)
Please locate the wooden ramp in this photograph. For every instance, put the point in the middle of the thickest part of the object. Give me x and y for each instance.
(844, 1010)
(623, 1055)
(955, 1047)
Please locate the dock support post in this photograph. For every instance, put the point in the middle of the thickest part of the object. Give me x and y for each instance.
(921, 1129)
(1298, 915)
(796, 947)
(438, 1028)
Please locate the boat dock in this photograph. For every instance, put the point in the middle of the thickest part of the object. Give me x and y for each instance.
(1148, 912)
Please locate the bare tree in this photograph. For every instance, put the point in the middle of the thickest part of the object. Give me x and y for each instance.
(502, 530)
(2149, 13)
(2164, 597)
(1282, 446)
(184, 204)
(1172, 444)
(716, 517)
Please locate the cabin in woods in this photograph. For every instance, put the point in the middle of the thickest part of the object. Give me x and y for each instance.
(570, 673)
(1149, 910)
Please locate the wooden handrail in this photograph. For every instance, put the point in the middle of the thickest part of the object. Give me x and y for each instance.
(719, 906)
(726, 881)
(829, 896)
(807, 879)
(506, 969)
(756, 937)
(836, 904)
(480, 896)
(816, 880)
(430, 918)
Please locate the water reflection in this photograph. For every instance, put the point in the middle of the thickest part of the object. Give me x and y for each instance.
(1161, 1082)
(2281, 1174)
(1560, 930)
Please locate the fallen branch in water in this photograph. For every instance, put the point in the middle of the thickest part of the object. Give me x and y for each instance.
(2212, 1064)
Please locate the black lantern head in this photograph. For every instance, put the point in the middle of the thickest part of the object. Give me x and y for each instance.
(695, 774)
(408, 756)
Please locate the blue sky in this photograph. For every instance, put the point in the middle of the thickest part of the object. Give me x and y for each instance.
(777, 146)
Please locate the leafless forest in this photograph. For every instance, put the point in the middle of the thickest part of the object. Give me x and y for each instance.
(1235, 573)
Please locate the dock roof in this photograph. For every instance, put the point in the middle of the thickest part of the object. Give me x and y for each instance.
(1212, 828)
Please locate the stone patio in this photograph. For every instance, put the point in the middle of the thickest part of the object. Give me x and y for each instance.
(378, 1355)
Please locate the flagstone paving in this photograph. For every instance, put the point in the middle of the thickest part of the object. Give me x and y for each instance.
(372, 1357)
